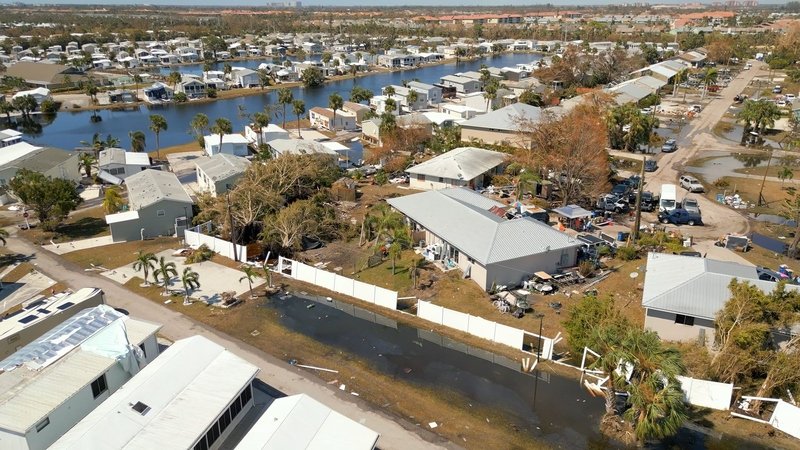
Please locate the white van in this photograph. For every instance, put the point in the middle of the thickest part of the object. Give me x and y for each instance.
(669, 197)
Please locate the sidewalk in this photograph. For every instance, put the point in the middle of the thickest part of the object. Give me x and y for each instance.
(395, 433)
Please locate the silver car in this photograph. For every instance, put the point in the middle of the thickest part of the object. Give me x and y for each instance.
(691, 184)
(691, 205)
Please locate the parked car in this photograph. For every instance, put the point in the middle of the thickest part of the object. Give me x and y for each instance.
(670, 146)
(621, 189)
(680, 217)
(781, 103)
(691, 184)
(777, 89)
(612, 203)
(690, 204)
(747, 66)
(790, 98)
(649, 201)
(650, 165)
(695, 109)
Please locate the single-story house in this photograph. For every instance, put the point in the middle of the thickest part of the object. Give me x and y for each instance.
(299, 147)
(502, 125)
(358, 109)
(245, 77)
(683, 294)
(157, 206)
(52, 162)
(460, 167)
(232, 144)
(463, 85)
(9, 136)
(192, 86)
(326, 119)
(122, 164)
(39, 94)
(216, 173)
(121, 96)
(434, 93)
(268, 133)
(460, 230)
(40, 74)
(371, 131)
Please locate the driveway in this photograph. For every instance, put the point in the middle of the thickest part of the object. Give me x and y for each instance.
(395, 433)
(214, 278)
(83, 244)
(698, 139)
(183, 166)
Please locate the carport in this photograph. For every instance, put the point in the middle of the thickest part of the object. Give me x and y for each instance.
(572, 216)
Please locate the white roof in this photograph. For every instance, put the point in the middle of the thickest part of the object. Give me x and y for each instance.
(44, 92)
(299, 147)
(463, 163)
(43, 308)
(16, 151)
(122, 217)
(41, 376)
(693, 286)
(185, 389)
(235, 138)
(222, 166)
(151, 186)
(120, 156)
(299, 422)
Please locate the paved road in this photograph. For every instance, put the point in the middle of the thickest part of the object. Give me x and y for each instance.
(276, 373)
(698, 138)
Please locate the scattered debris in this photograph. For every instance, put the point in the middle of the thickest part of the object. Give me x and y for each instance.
(342, 387)
(328, 299)
(333, 381)
(310, 306)
(433, 425)
(255, 333)
(167, 302)
(355, 393)
(316, 368)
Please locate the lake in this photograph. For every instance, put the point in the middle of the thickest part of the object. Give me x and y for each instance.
(68, 129)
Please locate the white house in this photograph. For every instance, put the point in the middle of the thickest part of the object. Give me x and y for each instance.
(216, 173)
(462, 229)
(463, 85)
(191, 397)
(55, 381)
(268, 133)
(9, 137)
(245, 77)
(39, 94)
(433, 93)
(298, 422)
(460, 167)
(192, 86)
(122, 164)
(325, 118)
(232, 144)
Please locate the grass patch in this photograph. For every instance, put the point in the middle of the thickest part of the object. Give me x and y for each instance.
(190, 146)
(18, 272)
(748, 189)
(772, 172)
(83, 224)
(473, 426)
(381, 275)
(117, 255)
(722, 128)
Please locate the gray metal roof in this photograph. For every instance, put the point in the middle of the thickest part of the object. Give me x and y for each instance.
(151, 186)
(462, 218)
(463, 163)
(222, 166)
(43, 159)
(111, 156)
(299, 147)
(692, 286)
(506, 118)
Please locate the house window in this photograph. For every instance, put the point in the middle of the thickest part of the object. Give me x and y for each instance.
(160, 213)
(99, 386)
(441, 180)
(420, 177)
(144, 352)
(685, 320)
(40, 425)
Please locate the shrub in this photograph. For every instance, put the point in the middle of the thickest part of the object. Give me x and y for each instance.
(586, 268)
(49, 107)
(180, 97)
(381, 178)
(203, 253)
(721, 183)
(627, 253)
(211, 93)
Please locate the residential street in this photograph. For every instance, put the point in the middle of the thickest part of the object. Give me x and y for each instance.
(274, 372)
(698, 138)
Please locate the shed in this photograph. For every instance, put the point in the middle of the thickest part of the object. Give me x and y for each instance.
(344, 189)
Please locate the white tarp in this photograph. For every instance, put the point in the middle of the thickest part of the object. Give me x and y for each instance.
(707, 394)
(786, 418)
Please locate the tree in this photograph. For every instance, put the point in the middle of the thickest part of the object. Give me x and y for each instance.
(299, 109)
(389, 91)
(51, 198)
(138, 141)
(190, 281)
(264, 78)
(90, 89)
(25, 104)
(6, 108)
(400, 240)
(785, 173)
(335, 102)
(250, 274)
(260, 120)
(490, 94)
(572, 147)
(301, 219)
(145, 262)
(137, 80)
(166, 270)
(412, 98)
(628, 128)
(174, 78)
(326, 58)
(199, 126)
(222, 126)
(86, 161)
(312, 77)
(112, 200)
(529, 97)
(709, 78)
(285, 97)
(380, 222)
(359, 94)
(757, 116)
(158, 124)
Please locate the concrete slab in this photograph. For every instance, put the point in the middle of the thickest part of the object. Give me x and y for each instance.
(711, 251)
(90, 193)
(83, 244)
(214, 278)
(183, 166)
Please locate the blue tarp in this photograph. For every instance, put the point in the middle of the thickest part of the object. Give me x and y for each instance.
(771, 244)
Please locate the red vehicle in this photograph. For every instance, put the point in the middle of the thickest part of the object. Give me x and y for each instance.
(713, 88)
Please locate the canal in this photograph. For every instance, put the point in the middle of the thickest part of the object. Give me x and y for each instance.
(68, 129)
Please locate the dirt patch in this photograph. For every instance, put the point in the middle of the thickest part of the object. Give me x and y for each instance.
(190, 146)
(116, 255)
(82, 224)
(18, 272)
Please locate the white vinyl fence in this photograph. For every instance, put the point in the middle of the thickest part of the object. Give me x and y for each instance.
(478, 326)
(337, 283)
(707, 394)
(195, 239)
(786, 418)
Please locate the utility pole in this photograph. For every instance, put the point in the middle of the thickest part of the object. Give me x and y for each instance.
(230, 218)
(637, 222)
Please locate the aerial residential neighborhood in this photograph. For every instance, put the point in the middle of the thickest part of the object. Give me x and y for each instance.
(336, 226)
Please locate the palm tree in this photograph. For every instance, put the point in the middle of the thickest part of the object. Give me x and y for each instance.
(3, 236)
(158, 124)
(174, 78)
(382, 220)
(400, 241)
(166, 270)
(285, 97)
(335, 102)
(145, 262)
(260, 120)
(222, 126)
(111, 142)
(709, 77)
(250, 274)
(388, 91)
(191, 281)
(199, 124)
(138, 139)
(679, 78)
(299, 108)
(112, 200)
(6, 108)
(137, 79)
(490, 94)
(86, 161)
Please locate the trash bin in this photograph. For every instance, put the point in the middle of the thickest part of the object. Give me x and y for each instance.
(687, 242)
(622, 236)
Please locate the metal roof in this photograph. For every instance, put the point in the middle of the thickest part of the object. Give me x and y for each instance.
(151, 186)
(222, 166)
(43, 159)
(41, 376)
(37, 310)
(462, 218)
(299, 147)
(506, 118)
(120, 156)
(185, 388)
(463, 163)
(572, 212)
(692, 286)
(122, 217)
(16, 151)
(299, 422)
(234, 138)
